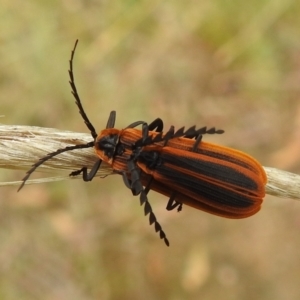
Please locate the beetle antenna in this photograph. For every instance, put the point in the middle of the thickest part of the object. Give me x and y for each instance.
(76, 95)
(51, 155)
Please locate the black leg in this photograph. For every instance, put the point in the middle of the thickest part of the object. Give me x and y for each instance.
(85, 175)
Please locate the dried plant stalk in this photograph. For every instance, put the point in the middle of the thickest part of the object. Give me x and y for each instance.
(282, 184)
(22, 146)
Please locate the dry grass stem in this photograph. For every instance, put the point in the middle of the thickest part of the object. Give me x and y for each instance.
(282, 184)
(22, 146)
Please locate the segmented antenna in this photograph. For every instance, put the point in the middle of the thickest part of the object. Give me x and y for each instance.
(76, 95)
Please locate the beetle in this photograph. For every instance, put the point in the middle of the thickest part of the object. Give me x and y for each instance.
(178, 164)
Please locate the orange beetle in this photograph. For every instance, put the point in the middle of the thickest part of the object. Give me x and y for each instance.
(216, 179)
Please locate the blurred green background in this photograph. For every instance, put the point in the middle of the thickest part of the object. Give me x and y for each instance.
(230, 64)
